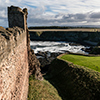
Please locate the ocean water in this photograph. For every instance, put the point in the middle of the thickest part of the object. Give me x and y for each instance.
(56, 47)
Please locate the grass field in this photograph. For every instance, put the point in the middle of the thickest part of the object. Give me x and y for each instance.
(42, 90)
(86, 61)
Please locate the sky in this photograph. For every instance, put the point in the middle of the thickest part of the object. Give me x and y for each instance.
(55, 12)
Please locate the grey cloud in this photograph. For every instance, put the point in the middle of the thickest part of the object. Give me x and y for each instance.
(74, 17)
(64, 19)
(80, 16)
(38, 17)
(95, 15)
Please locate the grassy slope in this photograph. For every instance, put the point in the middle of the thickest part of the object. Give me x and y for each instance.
(74, 82)
(42, 90)
(90, 62)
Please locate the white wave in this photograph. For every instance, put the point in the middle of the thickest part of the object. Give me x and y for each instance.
(61, 47)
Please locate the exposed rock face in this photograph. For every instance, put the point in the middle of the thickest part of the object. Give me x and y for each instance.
(46, 57)
(34, 64)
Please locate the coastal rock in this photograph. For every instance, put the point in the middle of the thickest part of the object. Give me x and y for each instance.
(71, 36)
(34, 64)
(95, 50)
(45, 58)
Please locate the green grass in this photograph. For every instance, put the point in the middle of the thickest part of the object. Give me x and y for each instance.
(66, 81)
(92, 62)
(74, 82)
(42, 90)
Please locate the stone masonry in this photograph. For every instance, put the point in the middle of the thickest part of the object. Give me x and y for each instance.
(13, 65)
(16, 57)
(17, 17)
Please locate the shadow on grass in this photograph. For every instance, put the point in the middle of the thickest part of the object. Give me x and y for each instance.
(74, 82)
(61, 84)
(54, 83)
(44, 71)
(57, 77)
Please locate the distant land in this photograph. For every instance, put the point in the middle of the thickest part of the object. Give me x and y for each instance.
(73, 29)
(83, 35)
(63, 27)
(80, 26)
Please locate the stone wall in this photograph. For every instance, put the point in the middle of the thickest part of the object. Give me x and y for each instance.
(13, 64)
(16, 57)
(17, 17)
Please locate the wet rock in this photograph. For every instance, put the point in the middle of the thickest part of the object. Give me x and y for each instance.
(55, 54)
(45, 59)
(95, 50)
(74, 44)
(40, 53)
(89, 49)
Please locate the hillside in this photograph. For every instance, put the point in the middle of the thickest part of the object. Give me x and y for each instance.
(74, 82)
(83, 36)
(42, 90)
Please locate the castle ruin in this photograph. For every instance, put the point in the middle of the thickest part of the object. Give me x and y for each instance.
(16, 57)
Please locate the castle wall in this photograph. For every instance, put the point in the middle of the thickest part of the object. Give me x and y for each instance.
(14, 68)
(17, 60)
(17, 17)
(13, 64)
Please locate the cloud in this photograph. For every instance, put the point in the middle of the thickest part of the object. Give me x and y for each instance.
(95, 15)
(55, 12)
(65, 19)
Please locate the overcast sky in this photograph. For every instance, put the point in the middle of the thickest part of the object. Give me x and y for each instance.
(55, 12)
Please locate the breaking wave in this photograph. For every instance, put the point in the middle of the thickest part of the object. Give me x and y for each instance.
(56, 47)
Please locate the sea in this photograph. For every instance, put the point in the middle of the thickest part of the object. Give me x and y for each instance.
(57, 47)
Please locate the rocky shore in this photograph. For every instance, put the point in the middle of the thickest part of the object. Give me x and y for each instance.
(45, 58)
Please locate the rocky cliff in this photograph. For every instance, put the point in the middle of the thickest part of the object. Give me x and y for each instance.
(91, 38)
